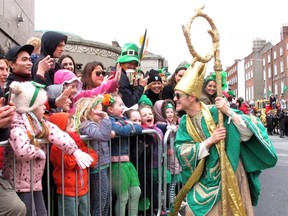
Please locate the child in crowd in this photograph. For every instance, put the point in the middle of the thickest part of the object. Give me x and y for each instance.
(125, 180)
(147, 122)
(140, 156)
(93, 121)
(75, 201)
(64, 78)
(27, 127)
(166, 113)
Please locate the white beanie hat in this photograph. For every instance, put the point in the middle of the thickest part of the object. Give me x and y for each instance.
(27, 96)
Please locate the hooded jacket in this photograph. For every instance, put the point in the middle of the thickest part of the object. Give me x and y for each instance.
(70, 165)
(49, 42)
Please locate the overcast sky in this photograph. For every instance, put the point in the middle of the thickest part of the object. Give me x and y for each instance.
(238, 23)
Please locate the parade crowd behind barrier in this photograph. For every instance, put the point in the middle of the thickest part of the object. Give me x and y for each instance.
(158, 188)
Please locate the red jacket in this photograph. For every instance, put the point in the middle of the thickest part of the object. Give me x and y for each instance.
(70, 168)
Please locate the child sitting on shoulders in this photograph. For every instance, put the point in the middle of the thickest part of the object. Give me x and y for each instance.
(72, 174)
(125, 180)
(94, 122)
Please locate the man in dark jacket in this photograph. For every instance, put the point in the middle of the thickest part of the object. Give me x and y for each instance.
(53, 45)
(129, 60)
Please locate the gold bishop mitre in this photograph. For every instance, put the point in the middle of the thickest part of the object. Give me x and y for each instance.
(192, 81)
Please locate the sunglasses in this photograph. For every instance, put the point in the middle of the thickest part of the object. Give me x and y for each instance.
(178, 95)
(98, 73)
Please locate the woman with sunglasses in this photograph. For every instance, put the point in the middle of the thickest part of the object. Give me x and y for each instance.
(94, 75)
(65, 79)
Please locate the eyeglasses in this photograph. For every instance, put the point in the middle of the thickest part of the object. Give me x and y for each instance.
(178, 95)
(98, 73)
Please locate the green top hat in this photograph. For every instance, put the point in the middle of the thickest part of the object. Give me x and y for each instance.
(129, 53)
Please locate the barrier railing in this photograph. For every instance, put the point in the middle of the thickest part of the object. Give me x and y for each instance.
(158, 202)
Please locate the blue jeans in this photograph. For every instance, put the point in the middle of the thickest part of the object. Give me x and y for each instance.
(73, 206)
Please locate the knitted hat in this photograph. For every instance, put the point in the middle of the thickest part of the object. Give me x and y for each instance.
(183, 65)
(144, 100)
(13, 52)
(129, 53)
(60, 119)
(154, 76)
(63, 76)
(27, 96)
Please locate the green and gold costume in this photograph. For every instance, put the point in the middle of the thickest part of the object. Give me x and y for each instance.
(256, 154)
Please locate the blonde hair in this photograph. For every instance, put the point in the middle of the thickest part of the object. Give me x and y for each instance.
(84, 107)
(34, 41)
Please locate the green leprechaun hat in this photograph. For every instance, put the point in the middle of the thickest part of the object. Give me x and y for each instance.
(129, 53)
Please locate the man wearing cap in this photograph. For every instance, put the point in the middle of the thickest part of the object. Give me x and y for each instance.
(129, 60)
(247, 151)
(52, 46)
(20, 70)
(20, 64)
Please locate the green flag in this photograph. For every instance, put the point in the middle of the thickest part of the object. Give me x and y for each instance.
(269, 93)
(285, 88)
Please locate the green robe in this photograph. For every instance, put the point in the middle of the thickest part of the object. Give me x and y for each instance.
(256, 154)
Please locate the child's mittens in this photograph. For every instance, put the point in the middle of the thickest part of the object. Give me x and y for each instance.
(172, 127)
(41, 154)
(83, 159)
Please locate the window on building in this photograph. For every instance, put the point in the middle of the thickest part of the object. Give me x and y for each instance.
(282, 86)
(275, 89)
(269, 72)
(281, 51)
(275, 69)
(263, 61)
(252, 73)
(275, 54)
(269, 59)
(264, 74)
(281, 66)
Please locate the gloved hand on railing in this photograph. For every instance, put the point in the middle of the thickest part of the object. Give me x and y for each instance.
(83, 159)
(172, 127)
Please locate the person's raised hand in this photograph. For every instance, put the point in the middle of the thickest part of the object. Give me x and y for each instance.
(143, 81)
(118, 72)
(63, 98)
(45, 65)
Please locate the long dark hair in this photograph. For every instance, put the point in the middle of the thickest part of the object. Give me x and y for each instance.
(67, 56)
(86, 76)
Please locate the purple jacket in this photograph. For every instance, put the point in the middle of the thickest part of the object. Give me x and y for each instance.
(24, 152)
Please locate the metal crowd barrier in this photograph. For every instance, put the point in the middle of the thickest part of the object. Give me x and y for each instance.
(158, 207)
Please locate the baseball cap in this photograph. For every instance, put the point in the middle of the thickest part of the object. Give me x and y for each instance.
(13, 52)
